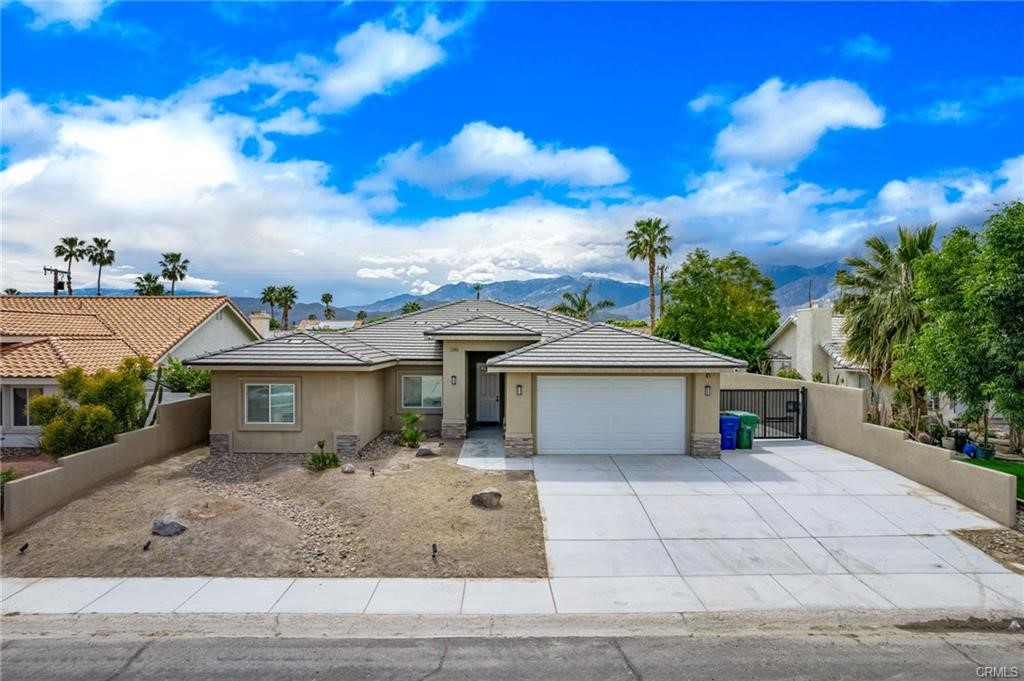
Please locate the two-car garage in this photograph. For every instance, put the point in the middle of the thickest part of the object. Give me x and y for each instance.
(607, 414)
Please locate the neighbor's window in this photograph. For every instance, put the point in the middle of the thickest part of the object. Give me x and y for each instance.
(22, 396)
(421, 392)
(270, 403)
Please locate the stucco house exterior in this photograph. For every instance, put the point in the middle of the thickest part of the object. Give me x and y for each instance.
(42, 336)
(812, 340)
(555, 385)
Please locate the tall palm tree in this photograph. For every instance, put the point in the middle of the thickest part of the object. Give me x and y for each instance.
(148, 285)
(100, 255)
(174, 268)
(70, 249)
(579, 306)
(269, 297)
(411, 306)
(648, 240)
(327, 299)
(478, 288)
(882, 312)
(286, 297)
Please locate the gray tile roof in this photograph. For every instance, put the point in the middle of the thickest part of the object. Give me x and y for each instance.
(298, 349)
(483, 325)
(835, 351)
(602, 345)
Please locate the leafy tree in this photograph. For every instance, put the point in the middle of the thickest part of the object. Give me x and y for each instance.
(174, 268)
(648, 240)
(411, 306)
(327, 299)
(70, 249)
(723, 304)
(12, 292)
(361, 315)
(578, 305)
(178, 378)
(883, 310)
(286, 297)
(269, 297)
(100, 255)
(148, 285)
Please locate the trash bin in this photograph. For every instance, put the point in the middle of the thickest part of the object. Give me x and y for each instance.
(728, 426)
(748, 424)
(959, 438)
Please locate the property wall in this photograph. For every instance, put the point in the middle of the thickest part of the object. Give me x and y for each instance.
(391, 406)
(223, 329)
(179, 425)
(835, 418)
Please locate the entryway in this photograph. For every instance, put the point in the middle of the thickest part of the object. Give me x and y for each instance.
(485, 395)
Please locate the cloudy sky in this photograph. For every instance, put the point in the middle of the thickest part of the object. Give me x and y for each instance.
(373, 149)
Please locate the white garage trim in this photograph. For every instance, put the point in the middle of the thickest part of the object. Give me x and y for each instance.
(597, 414)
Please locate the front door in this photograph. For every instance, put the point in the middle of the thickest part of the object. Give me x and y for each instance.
(488, 395)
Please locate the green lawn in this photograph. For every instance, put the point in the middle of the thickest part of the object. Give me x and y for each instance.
(1011, 467)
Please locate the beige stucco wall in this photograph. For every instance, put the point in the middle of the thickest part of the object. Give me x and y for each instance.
(391, 405)
(456, 408)
(519, 409)
(223, 329)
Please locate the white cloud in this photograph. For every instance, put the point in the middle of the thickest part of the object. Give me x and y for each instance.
(706, 101)
(481, 154)
(27, 129)
(971, 100)
(291, 122)
(79, 14)
(422, 287)
(865, 47)
(778, 125)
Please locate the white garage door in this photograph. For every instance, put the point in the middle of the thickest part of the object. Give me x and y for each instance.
(611, 415)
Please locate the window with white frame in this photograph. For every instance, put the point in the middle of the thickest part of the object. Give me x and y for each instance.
(20, 399)
(421, 392)
(270, 403)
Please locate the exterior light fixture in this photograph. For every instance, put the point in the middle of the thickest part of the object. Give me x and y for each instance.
(453, 379)
(519, 390)
(707, 391)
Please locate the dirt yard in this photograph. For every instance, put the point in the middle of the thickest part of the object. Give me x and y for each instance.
(267, 515)
(25, 461)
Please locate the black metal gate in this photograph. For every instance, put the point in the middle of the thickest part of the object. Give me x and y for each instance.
(782, 412)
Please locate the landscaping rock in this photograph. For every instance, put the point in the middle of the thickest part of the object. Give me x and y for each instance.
(348, 468)
(167, 528)
(424, 452)
(487, 498)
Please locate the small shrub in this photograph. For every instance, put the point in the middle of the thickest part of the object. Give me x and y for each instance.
(790, 373)
(818, 377)
(411, 434)
(82, 428)
(321, 460)
(178, 378)
(628, 323)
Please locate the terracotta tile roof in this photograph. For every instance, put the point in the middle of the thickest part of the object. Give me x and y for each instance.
(48, 357)
(151, 325)
(45, 324)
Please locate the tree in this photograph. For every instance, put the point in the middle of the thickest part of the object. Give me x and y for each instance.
(649, 240)
(100, 255)
(12, 292)
(286, 297)
(269, 297)
(723, 304)
(361, 315)
(148, 285)
(478, 288)
(70, 249)
(327, 299)
(411, 306)
(174, 268)
(883, 311)
(579, 306)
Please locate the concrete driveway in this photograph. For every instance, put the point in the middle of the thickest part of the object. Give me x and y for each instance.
(789, 524)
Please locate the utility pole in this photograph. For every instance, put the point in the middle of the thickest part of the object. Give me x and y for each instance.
(59, 277)
(661, 291)
(810, 295)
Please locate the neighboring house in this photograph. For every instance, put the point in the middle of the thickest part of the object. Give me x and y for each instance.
(328, 324)
(41, 336)
(812, 340)
(556, 385)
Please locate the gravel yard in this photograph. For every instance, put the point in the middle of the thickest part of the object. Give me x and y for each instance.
(267, 515)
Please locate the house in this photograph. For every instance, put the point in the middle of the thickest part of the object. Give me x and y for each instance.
(41, 336)
(812, 340)
(555, 385)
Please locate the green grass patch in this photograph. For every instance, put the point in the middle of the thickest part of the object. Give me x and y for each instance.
(1011, 467)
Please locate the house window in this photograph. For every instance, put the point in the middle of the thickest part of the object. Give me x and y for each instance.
(22, 396)
(270, 403)
(934, 402)
(421, 392)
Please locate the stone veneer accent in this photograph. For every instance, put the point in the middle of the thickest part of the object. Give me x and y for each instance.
(346, 444)
(518, 447)
(453, 431)
(220, 443)
(706, 446)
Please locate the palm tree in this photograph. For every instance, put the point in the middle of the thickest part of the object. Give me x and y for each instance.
(648, 240)
(882, 312)
(70, 249)
(477, 288)
(286, 297)
(411, 306)
(12, 292)
(269, 297)
(100, 255)
(579, 306)
(327, 299)
(148, 285)
(173, 268)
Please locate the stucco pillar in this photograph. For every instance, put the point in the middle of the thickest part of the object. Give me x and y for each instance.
(453, 417)
(705, 440)
(518, 415)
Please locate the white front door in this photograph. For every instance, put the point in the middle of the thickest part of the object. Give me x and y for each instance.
(611, 415)
(488, 395)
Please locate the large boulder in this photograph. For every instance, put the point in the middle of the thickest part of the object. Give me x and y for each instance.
(487, 498)
(167, 528)
(348, 468)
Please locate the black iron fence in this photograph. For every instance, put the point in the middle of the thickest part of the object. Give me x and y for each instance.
(781, 412)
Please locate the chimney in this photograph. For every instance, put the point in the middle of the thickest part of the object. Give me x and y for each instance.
(261, 321)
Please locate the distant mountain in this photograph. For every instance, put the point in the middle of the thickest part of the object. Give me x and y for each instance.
(299, 312)
(795, 285)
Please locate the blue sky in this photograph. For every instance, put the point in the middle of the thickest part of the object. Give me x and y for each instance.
(374, 149)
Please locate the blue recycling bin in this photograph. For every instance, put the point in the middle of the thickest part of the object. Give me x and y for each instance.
(729, 427)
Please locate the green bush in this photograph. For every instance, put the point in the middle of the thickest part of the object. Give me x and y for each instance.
(818, 377)
(79, 429)
(789, 373)
(5, 477)
(411, 435)
(321, 460)
(178, 378)
(628, 323)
